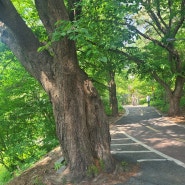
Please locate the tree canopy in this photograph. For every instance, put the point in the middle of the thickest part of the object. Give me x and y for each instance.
(159, 26)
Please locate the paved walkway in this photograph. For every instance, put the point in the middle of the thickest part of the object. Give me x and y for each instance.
(131, 136)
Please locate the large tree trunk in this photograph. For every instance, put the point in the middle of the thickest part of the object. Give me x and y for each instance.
(174, 96)
(174, 105)
(82, 125)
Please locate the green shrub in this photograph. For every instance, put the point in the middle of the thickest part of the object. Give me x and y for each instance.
(161, 105)
(5, 175)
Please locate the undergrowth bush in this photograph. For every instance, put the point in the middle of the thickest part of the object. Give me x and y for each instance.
(5, 175)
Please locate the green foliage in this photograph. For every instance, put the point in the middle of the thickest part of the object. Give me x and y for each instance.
(92, 171)
(124, 165)
(70, 29)
(98, 30)
(28, 12)
(102, 165)
(37, 181)
(5, 175)
(156, 22)
(27, 126)
(161, 105)
(58, 165)
(64, 180)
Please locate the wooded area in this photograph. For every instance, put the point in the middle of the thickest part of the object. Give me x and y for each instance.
(82, 60)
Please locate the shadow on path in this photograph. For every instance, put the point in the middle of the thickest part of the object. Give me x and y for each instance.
(155, 169)
(138, 114)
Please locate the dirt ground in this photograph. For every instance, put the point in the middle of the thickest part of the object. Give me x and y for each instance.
(177, 119)
(44, 172)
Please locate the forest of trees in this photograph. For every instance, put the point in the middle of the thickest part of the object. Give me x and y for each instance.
(64, 65)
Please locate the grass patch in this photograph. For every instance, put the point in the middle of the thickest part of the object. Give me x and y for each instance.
(5, 175)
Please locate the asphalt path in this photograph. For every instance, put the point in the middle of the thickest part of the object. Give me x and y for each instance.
(144, 136)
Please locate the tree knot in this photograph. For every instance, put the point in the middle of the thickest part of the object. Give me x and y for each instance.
(89, 88)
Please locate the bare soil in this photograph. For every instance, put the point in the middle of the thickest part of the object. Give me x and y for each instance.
(177, 119)
(44, 172)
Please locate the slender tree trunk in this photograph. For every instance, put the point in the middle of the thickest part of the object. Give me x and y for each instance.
(112, 94)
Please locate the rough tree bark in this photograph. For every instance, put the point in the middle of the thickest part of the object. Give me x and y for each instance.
(82, 125)
(174, 96)
(112, 94)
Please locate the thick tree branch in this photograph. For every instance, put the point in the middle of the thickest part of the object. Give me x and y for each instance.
(168, 47)
(13, 21)
(149, 38)
(9, 39)
(155, 28)
(20, 39)
(159, 14)
(51, 11)
(160, 81)
(153, 16)
(181, 20)
(170, 12)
